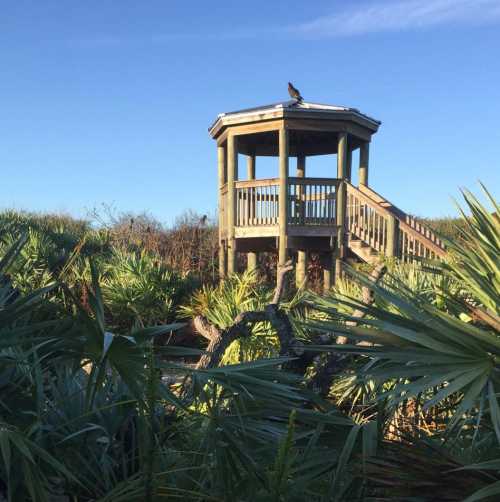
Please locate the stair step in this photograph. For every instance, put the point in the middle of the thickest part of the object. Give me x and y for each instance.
(363, 250)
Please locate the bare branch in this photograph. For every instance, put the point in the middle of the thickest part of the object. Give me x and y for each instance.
(280, 281)
(219, 340)
(486, 316)
(367, 297)
(204, 328)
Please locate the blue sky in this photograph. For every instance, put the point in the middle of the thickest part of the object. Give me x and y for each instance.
(109, 101)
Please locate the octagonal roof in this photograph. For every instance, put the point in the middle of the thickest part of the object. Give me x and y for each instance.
(292, 110)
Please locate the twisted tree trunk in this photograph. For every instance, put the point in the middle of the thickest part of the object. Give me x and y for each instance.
(220, 339)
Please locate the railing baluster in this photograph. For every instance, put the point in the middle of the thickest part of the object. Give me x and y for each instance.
(245, 206)
(266, 204)
(252, 206)
(307, 218)
(238, 208)
(321, 209)
(314, 204)
(270, 204)
(276, 203)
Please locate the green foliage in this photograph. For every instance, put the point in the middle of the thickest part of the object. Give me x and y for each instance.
(475, 262)
(447, 228)
(36, 262)
(140, 288)
(139, 284)
(421, 353)
(86, 413)
(92, 409)
(221, 304)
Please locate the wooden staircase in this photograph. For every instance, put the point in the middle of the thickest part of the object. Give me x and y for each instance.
(363, 250)
(375, 228)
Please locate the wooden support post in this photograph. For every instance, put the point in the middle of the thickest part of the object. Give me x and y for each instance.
(232, 176)
(349, 164)
(301, 166)
(327, 263)
(341, 202)
(392, 237)
(342, 155)
(251, 167)
(221, 165)
(301, 269)
(364, 155)
(222, 260)
(283, 196)
(252, 263)
(252, 260)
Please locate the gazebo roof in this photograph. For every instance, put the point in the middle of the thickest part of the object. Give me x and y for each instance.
(292, 109)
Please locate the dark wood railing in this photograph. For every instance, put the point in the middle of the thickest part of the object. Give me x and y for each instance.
(312, 201)
(257, 202)
(387, 229)
(367, 221)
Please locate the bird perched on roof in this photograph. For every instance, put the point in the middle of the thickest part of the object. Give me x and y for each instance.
(294, 93)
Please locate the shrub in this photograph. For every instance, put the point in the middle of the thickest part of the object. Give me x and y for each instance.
(139, 288)
(429, 371)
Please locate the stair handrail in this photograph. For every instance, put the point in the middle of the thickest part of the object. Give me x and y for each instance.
(407, 227)
(377, 233)
(408, 223)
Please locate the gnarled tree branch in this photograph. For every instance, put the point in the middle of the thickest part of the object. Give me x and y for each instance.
(367, 297)
(219, 340)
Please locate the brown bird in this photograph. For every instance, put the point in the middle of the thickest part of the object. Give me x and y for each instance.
(294, 93)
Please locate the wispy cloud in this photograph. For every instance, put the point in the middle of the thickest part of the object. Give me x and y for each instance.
(399, 15)
(357, 18)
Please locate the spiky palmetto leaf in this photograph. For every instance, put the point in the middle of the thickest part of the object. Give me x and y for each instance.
(244, 411)
(474, 261)
(443, 363)
(221, 304)
(424, 347)
(95, 399)
(140, 288)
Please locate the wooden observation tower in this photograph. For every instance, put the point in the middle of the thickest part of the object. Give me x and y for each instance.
(296, 214)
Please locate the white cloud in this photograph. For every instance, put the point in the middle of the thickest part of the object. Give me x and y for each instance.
(359, 17)
(397, 15)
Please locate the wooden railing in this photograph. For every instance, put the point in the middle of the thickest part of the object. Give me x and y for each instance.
(367, 221)
(312, 201)
(257, 202)
(416, 240)
(388, 229)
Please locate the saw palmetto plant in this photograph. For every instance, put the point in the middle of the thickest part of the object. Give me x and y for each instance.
(140, 288)
(91, 409)
(432, 368)
(221, 304)
(87, 415)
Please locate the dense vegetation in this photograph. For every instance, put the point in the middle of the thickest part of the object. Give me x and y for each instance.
(101, 397)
